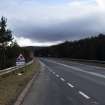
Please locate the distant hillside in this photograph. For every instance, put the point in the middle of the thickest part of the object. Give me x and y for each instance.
(88, 48)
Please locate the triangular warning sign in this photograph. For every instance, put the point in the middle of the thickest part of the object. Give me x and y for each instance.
(20, 57)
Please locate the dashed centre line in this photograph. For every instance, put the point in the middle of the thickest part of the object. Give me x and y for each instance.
(57, 75)
(84, 95)
(62, 79)
(70, 85)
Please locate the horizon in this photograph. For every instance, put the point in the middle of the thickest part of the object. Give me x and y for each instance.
(73, 41)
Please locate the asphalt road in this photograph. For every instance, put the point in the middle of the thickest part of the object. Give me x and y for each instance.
(67, 83)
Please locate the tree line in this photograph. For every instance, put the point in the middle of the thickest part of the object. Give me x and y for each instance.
(92, 48)
(9, 49)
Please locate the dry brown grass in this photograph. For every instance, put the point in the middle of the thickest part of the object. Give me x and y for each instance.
(12, 84)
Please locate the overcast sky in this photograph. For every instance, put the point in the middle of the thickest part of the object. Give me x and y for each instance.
(47, 22)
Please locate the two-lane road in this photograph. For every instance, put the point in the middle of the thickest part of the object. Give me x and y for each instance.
(67, 83)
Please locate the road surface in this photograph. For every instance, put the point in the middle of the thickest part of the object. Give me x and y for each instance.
(67, 83)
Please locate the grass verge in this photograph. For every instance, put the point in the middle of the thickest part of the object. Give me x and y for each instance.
(13, 83)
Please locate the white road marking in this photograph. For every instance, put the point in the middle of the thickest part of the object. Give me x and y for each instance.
(43, 65)
(78, 69)
(49, 69)
(57, 75)
(93, 66)
(84, 95)
(69, 84)
(62, 79)
(95, 103)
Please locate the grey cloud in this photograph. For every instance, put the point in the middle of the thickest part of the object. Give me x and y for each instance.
(56, 23)
(68, 30)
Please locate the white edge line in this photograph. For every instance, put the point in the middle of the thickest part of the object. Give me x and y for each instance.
(70, 85)
(84, 95)
(78, 69)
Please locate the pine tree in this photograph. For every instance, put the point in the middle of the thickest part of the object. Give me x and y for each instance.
(5, 37)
